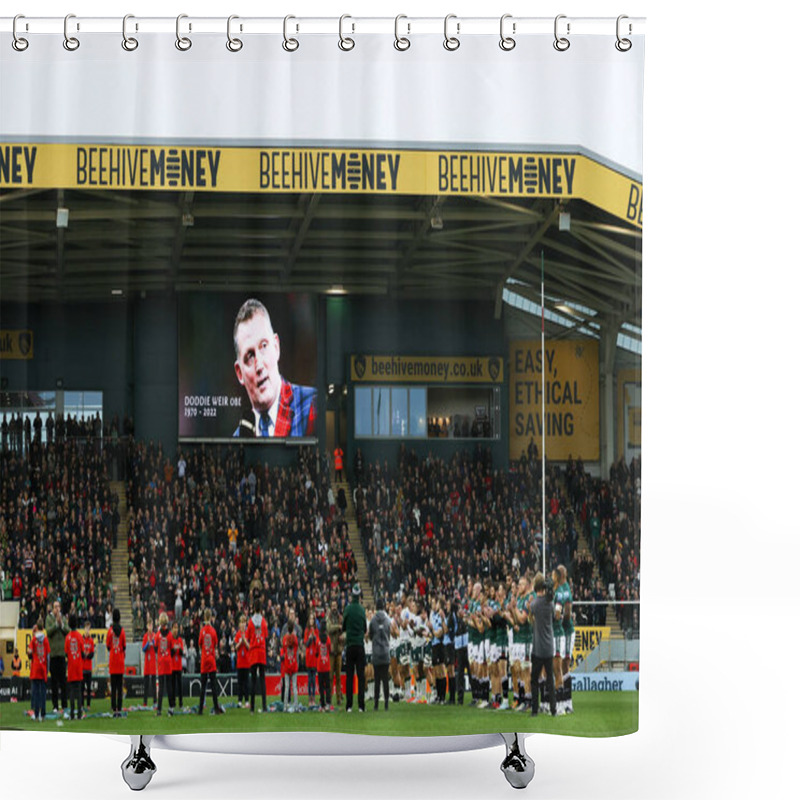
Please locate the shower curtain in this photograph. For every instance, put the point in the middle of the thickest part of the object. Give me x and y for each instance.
(338, 325)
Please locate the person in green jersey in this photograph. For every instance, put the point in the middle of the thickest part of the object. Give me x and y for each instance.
(520, 653)
(354, 625)
(491, 611)
(475, 642)
(563, 596)
(559, 642)
(501, 622)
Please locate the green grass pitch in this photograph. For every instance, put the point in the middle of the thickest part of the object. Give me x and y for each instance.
(596, 714)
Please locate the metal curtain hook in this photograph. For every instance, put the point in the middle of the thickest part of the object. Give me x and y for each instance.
(451, 42)
(623, 45)
(289, 44)
(561, 43)
(507, 42)
(345, 43)
(401, 42)
(234, 45)
(19, 43)
(70, 42)
(182, 42)
(129, 43)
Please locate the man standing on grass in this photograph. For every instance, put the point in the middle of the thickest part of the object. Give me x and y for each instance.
(380, 629)
(257, 638)
(149, 649)
(38, 653)
(354, 624)
(242, 649)
(115, 642)
(540, 611)
(334, 625)
(73, 647)
(207, 644)
(87, 649)
(164, 663)
(57, 629)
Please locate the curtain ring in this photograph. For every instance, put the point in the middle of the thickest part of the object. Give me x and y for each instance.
(70, 42)
(289, 45)
(561, 43)
(129, 43)
(234, 45)
(345, 43)
(507, 42)
(401, 42)
(451, 42)
(623, 45)
(18, 43)
(183, 43)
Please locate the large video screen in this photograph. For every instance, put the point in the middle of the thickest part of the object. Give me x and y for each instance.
(247, 366)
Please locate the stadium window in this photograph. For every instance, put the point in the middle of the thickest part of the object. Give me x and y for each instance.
(390, 412)
(399, 411)
(381, 402)
(462, 412)
(417, 413)
(363, 410)
(83, 405)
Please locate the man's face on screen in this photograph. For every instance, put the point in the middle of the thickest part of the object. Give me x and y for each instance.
(257, 364)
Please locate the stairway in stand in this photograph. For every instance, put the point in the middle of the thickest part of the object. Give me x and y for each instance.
(367, 596)
(119, 563)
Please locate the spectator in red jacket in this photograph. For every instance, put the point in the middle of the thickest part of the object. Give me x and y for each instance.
(324, 666)
(178, 650)
(242, 650)
(310, 642)
(257, 632)
(115, 642)
(73, 650)
(164, 664)
(87, 650)
(38, 652)
(289, 666)
(150, 661)
(207, 645)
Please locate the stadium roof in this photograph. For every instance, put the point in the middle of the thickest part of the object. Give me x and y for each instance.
(121, 243)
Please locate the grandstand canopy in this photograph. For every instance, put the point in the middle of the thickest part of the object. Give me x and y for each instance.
(118, 244)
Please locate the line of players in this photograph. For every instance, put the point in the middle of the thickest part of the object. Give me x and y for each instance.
(488, 636)
(491, 635)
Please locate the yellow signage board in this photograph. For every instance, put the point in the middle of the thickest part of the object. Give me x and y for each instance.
(426, 369)
(587, 638)
(571, 394)
(16, 344)
(312, 169)
(24, 636)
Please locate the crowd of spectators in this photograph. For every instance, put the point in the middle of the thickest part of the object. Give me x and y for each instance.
(58, 519)
(212, 531)
(428, 525)
(609, 513)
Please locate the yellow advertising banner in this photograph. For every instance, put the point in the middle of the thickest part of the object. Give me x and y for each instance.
(587, 638)
(16, 344)
(426, 369)
(311, 169)
(571, 398)
(24, 636)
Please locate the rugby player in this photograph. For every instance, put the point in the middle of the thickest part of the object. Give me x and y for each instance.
(438, 628)
(520, 653)
(477, 627)
(566, 643)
